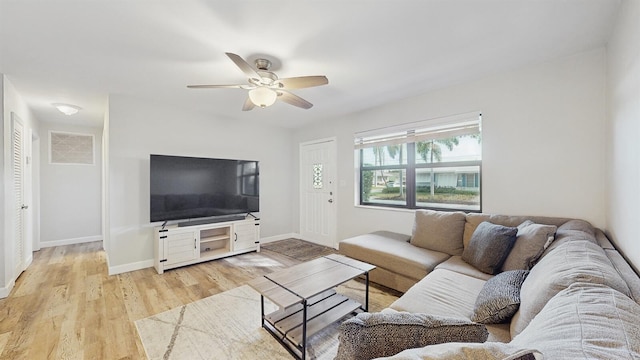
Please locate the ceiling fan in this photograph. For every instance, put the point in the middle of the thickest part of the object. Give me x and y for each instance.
(265, 87)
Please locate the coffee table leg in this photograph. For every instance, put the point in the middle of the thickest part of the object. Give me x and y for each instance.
(262, 310)
(366, 292)
(304, 329)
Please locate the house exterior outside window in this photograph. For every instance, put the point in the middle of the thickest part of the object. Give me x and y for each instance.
(434, 164)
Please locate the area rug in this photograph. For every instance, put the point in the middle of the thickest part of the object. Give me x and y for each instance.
(223, 326)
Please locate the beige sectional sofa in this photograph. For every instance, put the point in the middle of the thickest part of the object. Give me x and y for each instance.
(580, 299)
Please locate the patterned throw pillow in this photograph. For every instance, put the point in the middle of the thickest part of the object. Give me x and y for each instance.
(371, 335)
(499, 298)
(489, 246)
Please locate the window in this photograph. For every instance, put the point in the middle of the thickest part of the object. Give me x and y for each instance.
(433, 164)
(70, 148)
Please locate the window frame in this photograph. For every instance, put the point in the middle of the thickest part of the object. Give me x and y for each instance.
(412, 165)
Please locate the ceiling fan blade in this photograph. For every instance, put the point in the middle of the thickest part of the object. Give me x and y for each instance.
(215, 86)
(303, 81)
(293, 99)
(243, 65)
(248, 105)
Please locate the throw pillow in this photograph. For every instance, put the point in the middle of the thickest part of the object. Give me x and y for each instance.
(531, 241)
(499, 298)
(489, 246)
(439, 231)
(372, 335)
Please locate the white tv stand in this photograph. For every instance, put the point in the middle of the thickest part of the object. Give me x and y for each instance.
(179, 246)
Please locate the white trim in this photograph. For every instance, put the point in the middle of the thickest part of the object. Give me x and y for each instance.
(119, 269)
(5, 291)
(80, 240)
(385, 208)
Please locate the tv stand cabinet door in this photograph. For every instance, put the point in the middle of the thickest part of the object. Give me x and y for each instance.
(246, 235)
(180, 247)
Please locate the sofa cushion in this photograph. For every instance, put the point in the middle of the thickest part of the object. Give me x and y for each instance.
(442, 292)
(372, 335)
(393, 252)
(439, 231)
(626, 271)
(571, 262)
(570, 231)
(489, 246)
(455, 263)
(532, 239)
(499, 298)
(585, 321)
(463, 351)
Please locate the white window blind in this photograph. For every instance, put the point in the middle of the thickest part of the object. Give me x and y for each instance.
(442, 128)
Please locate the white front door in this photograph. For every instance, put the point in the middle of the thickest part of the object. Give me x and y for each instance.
(17, 141)
(317, 192)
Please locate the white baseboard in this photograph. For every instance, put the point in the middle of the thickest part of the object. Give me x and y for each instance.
(119, 269)
(279, 237)
(80, 240)
(5, 291)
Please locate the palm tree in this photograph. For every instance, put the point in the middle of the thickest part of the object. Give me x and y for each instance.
(432, 150)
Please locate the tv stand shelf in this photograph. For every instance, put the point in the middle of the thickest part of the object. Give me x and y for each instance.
(214, 238)
(177, 246)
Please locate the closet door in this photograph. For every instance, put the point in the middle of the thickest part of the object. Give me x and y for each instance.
(17, 143)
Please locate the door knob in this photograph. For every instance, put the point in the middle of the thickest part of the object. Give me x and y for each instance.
(330, 200)
(25, 207)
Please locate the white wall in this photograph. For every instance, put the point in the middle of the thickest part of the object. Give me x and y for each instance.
(542, 142)
(70, 195)
(12, 103)
(623, 132)
(138, 128)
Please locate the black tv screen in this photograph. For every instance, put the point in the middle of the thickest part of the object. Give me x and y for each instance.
(191, 188)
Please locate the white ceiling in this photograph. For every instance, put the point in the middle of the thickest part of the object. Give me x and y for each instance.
(372, 51)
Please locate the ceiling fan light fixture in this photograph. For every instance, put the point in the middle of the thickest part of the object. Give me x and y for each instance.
(67, 109)
(262, 96)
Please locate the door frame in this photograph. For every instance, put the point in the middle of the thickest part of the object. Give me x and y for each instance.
(333, 220)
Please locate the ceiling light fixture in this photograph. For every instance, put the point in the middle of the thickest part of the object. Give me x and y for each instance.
(67, 109)
(262, 96)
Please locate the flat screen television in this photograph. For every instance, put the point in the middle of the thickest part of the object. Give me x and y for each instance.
(186, 188)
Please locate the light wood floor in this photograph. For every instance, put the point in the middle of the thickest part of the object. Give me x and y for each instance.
(65, 306)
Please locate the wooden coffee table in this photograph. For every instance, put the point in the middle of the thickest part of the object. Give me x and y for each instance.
(307, 299)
